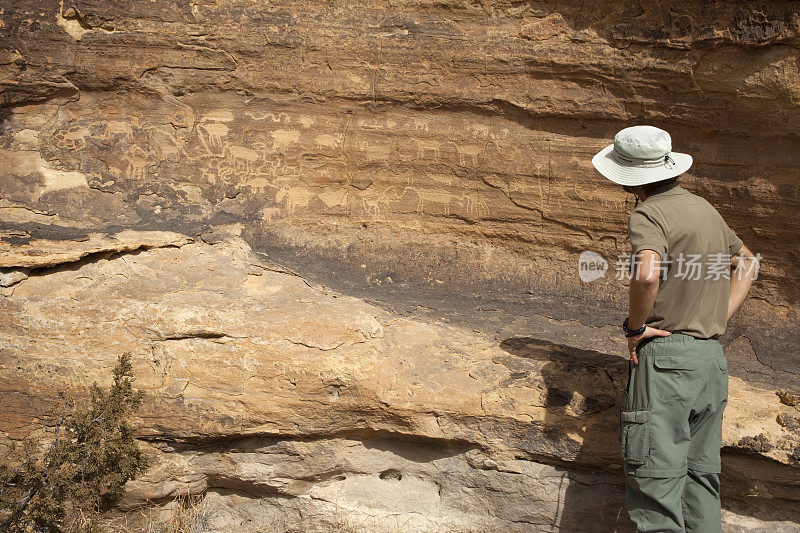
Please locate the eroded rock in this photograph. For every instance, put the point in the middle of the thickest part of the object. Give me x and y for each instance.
(262, 385)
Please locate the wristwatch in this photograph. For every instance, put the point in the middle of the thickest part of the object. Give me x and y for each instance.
(633, 332)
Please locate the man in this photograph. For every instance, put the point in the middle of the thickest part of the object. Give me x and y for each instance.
(682, 293)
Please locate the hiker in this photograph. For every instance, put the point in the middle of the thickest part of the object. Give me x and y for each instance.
(682, 293)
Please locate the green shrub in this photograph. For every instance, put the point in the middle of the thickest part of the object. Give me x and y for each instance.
(82, 470)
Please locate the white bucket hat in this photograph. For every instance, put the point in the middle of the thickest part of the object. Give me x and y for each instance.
(640, 155)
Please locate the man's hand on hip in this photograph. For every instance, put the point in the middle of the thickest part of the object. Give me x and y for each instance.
(633, 342)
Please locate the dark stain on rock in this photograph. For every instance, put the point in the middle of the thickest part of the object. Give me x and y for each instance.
(557, 398)
(754, 445)
(788, 421)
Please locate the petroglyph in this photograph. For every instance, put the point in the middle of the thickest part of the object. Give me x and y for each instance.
(295, 197)
(118, 127)
(377, 201)
(436, 199)
(469, 154)
(326, 140)
(277, 118)
(334, 196)
(284, 138)
(218, 115)
(212, 136)
(72, 138)
(55, 179)
(241, 156)
(474, 204)
(425, 146)
(372, 151)
(137, 163)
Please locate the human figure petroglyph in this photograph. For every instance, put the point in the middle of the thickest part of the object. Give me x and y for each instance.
(212, 131)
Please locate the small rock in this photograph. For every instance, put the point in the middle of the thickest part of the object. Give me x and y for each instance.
(10, 277)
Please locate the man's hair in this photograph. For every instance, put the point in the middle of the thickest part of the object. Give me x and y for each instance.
(650, 186)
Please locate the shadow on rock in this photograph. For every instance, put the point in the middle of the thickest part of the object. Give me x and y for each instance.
(581, 391)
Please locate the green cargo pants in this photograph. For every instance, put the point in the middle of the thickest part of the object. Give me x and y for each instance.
(671, 434)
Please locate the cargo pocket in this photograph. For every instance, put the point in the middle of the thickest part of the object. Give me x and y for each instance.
(673, 377)
(635, 436)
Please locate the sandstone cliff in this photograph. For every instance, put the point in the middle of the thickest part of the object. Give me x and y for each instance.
(341, 242)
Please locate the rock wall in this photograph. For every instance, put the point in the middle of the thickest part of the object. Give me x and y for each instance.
(432, 158)
(292, 407)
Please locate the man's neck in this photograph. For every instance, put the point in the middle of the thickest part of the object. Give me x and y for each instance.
(643, 193)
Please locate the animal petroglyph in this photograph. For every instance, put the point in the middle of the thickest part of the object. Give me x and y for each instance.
(426, 146)
(371, 151)
(212, 136)
(334, 197)
(437, 200)
(295, 197)
(474, 204)
(469, 154)
(278, 118)
(241, 156)
(137, 163)
(326, 140)
(376, 201)
(72, 138)
(218, 115)
(117, 127)
(284, 138)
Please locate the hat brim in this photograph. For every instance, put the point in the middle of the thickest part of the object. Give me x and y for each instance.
(632, 175)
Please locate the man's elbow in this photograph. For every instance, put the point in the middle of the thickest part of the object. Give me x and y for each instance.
(645, 280)
(745, 265)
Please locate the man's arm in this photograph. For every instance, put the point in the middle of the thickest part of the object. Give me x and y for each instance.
(644, 287)
(744, 267)
(642, 296)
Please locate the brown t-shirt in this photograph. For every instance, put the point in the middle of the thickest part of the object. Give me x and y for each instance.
(695, 245)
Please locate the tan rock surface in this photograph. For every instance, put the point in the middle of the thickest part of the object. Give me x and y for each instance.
(456, 135)
(301, 400)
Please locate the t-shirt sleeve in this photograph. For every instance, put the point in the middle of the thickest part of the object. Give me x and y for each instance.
(734, 242)
(646, 233)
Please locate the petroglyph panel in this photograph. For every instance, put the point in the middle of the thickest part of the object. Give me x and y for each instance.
(320, 126)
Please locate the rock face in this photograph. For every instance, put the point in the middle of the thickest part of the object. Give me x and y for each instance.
(281, 399)
(342, 244)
